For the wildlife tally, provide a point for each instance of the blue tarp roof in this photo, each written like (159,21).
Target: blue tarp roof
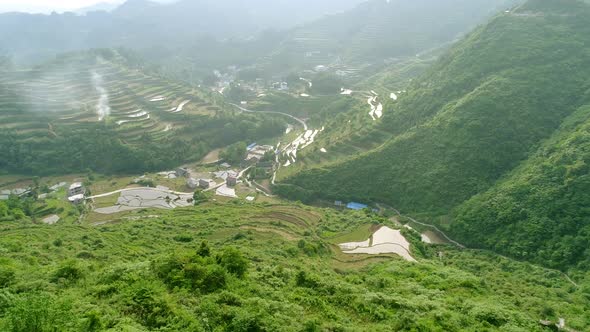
(251,146)
(356,206)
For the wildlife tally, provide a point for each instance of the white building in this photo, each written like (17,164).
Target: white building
(76,199)
(76,189)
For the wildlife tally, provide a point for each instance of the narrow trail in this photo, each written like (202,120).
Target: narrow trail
(384,206)
(566,277)
(272,112)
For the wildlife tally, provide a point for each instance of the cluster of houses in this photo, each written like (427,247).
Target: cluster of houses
(255,157)
(75,192)
(230,178)
(5,194)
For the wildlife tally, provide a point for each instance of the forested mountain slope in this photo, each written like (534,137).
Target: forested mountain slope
(540,212)
(476,115)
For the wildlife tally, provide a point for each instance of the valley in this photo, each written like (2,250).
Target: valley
(356,166)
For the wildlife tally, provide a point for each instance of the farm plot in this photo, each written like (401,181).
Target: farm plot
(383,241)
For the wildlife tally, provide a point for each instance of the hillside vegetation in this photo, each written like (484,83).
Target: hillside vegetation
(476,115)
(226,267)
(473,117)
(540,211)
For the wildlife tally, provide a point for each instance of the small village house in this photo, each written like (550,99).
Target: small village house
(231,181)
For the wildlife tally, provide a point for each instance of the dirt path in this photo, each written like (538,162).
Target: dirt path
(383,206)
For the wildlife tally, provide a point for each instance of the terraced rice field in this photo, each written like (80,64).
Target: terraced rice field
(72,91)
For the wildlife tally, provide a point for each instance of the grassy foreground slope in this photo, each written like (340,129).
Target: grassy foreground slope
(475,115)
(265,268)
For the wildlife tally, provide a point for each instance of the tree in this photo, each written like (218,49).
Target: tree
(326,84)
(204,250)
(234,153)
(200,197)
(215,278)
(3,210)
(234,262)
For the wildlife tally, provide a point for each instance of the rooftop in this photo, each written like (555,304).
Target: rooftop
(76,198)
(356,206)
(76,185)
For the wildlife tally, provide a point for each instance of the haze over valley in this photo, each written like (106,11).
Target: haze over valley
(378,165)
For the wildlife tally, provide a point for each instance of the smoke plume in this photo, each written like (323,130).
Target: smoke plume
(102,107)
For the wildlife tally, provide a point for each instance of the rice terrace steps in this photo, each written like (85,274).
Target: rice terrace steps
(72,91)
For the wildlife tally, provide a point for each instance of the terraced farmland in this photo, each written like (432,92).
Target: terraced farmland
(86,99)
(68,92)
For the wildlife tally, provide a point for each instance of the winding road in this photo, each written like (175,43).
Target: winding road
(272,112)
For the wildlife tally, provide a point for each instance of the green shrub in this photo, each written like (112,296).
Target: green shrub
(150,308)
(36,313)
(183,238)
(234,262)
(204,250)
(7,276)
(68,271)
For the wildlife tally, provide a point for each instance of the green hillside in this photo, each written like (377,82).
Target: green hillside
(272,267)
(50,122)
(540,211)
(474,116)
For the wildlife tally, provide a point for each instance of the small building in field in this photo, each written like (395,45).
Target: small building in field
(76,199)
(182,172)
(339,203)
(231,181)
(204,183)
(76,189)
(192,183)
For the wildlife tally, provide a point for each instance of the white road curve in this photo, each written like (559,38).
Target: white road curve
(272,112)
